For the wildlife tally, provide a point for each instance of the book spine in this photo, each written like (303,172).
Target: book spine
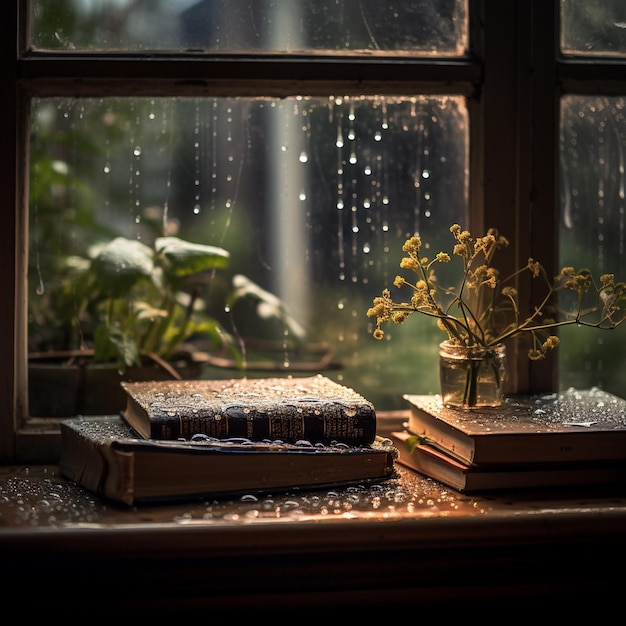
(442,435)
(287,423)
(96,465)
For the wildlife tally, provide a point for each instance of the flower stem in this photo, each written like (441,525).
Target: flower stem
(470,393)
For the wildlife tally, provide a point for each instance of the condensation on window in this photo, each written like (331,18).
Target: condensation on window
(424,27)
(593,229)
(593,28)
(312,198)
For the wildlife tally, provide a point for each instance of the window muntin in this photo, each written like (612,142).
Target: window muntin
(367,27)
(313,197)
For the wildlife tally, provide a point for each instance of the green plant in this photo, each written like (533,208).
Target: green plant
(483,310)
(129,299)
(144,300)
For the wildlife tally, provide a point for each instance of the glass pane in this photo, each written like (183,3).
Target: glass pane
(593,231)
(312,197)
(593,27)
(427,27)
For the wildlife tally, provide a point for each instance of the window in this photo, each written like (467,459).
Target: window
(592,139)
(308,143)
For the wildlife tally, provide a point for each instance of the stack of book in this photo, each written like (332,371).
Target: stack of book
(207,438)
(571,438)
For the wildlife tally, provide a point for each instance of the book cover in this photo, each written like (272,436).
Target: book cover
(573,425)
(314,408)
(104,455)
(468,478)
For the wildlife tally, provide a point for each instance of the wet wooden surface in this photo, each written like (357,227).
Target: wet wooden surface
(357,547)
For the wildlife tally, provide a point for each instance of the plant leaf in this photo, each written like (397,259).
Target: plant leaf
(120,264)
(268,305)
(184,258)
(112,342)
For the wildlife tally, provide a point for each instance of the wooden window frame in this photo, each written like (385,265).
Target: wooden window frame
(512,77)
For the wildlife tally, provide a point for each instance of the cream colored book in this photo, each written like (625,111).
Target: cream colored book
(573,425)
(433,463)
(105,456)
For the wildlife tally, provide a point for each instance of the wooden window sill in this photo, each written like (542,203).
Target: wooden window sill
(412,543)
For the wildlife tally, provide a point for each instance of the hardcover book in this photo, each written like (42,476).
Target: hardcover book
(105,456)
(464,477)
(570,426)
(314,408)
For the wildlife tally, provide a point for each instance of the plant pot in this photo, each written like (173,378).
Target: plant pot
(69,383)
(472,378)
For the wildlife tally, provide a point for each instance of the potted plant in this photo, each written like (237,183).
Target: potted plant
(133,311)
(103,307)
(480,313)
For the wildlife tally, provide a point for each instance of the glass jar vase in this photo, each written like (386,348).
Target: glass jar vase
(472,378)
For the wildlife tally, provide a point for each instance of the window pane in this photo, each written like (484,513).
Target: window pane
(312,197)
(593,27)
(593,233)
(427,27)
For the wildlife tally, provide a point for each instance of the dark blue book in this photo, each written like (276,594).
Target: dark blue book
(290,409)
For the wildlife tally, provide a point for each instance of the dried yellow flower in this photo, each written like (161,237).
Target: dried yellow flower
(484,309)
